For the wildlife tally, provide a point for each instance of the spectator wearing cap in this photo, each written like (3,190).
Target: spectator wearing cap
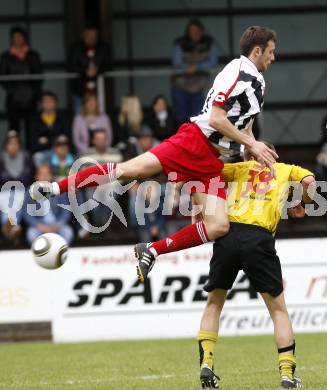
(15,166)
(194,54)
(57,218)
(21,96)
(154,223)
(48,124)
(88,57)
(161,119)
(89,120)
(60,158)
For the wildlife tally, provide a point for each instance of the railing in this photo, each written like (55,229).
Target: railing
(101,95)
(276,108)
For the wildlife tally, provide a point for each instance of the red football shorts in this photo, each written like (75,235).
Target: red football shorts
(188,156)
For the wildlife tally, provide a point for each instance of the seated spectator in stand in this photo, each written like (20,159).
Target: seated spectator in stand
(99,153)
(154,227)
(87,121)
(15,165)
(194,53)
(46,126)
(21,96)
(89,57)
(55,221)
(161,119)
(60,158)
(129,120)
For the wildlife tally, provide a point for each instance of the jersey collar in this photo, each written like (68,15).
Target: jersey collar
(248,61)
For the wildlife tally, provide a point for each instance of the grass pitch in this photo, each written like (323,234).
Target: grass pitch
(241,362)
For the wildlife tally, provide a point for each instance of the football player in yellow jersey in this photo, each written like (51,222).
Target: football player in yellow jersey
(255,201)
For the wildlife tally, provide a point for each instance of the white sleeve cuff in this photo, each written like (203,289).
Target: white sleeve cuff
(55,188)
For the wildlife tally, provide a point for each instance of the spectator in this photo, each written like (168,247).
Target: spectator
(129,119)
(161,119)
(57,218)
(15,165)
(154,226)
(46,126)
(87,121)
(99,151)
(22,96)
(60,158)
(89,57)
(194,53)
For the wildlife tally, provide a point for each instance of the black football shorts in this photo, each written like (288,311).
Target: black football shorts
(249,248)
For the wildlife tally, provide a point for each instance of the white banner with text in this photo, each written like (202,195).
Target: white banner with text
(97,296)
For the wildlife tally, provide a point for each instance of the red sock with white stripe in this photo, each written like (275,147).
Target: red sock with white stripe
(189,236)
(89,177)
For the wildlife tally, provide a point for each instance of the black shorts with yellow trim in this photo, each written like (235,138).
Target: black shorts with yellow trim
(249,248)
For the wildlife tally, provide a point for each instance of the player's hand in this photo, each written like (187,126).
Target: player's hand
(40,190)
(296,211)
(264,155)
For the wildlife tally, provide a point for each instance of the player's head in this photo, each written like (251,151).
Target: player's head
(258,44)
(248,156)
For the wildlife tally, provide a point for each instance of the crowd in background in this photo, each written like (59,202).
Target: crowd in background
(43,142)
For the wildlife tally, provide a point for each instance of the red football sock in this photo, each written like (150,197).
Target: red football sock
(89,177)
(189,236)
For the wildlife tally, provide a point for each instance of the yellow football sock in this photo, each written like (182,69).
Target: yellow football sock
(287,364)
(207,342)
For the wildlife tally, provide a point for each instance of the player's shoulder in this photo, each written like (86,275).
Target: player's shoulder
(280,166)
(234,64)
(230,71)
(289,169)
(285,166)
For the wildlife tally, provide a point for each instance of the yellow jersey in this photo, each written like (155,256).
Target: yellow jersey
(254,196)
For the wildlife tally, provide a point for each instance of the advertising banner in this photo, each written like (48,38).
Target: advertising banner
(25,288)
(98,297)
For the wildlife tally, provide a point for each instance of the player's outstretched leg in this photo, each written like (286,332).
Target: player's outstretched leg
(143,166)
(215,224)
(284,339)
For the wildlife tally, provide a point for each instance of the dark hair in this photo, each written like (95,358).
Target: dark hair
(18,30)
(195,22)
(50,94)
(248,155)
(256,36)
(158,97)
(90,26)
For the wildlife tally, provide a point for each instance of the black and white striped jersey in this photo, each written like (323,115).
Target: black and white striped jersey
(239,89)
